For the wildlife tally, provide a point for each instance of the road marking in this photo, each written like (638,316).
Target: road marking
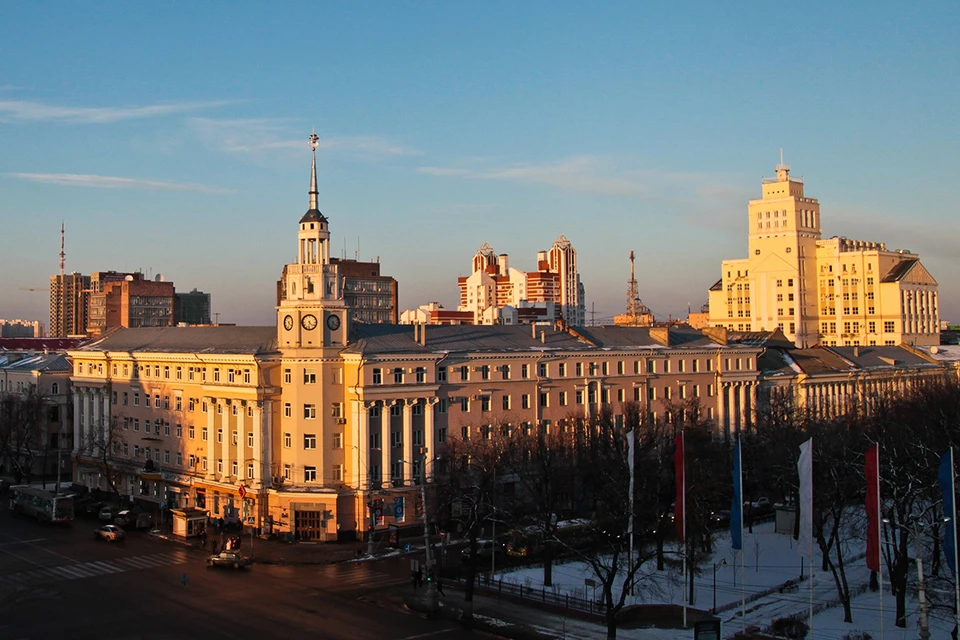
(90,569)
(427,635)
(3,544)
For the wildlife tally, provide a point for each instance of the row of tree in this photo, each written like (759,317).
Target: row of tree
(581,469)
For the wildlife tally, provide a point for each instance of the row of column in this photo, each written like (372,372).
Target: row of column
(258,425)
(91,418)
(361,412)
(741,398)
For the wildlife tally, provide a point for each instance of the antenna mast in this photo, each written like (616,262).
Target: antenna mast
(63,255)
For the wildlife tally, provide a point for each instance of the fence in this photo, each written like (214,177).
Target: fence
(541,594)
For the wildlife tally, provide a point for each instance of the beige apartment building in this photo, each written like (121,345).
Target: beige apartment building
(838,292)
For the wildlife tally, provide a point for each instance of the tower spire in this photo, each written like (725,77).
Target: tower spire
(63,255)
(314,143)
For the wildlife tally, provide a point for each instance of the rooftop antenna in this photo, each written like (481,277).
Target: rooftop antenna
(358,248)
(63,255)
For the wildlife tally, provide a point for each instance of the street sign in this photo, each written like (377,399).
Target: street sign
(184,579)
(242,491)
(408,548)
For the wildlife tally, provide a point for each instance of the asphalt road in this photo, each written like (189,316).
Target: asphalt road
(59,582)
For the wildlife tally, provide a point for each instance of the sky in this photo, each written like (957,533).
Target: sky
(172,138)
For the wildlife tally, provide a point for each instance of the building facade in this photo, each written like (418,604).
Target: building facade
(130,302)
(68,304)
(554,287)
(834,292)
(21,329)
(192,308)
(36,450)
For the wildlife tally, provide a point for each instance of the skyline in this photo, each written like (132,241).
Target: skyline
(178,139)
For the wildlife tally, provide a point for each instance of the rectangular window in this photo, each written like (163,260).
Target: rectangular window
(166,456)
(136,424)
(579,397)
(398,375)
(485,372)
(136,399)
(561,369)
(191,431)
(421,375)
(544,399)
(484,403)
(309,474)
(375,440)
(396,438)
(651,366)
(230,375)
(578,369)
(465,404)
(396,409)
(338,440)
(525,401)
(889,326)
(287,410)
(250,439)
(442,405)
(336,409)
(216,374)
(562,398)
(309,411)
(542,370)
(309,441)
(287,376)
(287,471)
(219,435)
(246,376)
(606,368)
(309,376)
(125,398)
(249,470)
(338,473)
(442,374)
(524,371)
(166,428)
(506,403)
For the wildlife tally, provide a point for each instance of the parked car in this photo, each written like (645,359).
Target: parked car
(128,519)
(761,504)
(229,559)
(485,550)
(720,518)
(106,513)
(110,533)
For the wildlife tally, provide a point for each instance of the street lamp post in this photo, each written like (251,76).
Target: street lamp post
(432,595)
(716,566)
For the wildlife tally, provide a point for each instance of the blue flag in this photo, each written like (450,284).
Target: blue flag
(736,507)
(945,476)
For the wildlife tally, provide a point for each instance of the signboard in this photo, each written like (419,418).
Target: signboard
(394,536)
(242,491)
(398,509)
(707,629)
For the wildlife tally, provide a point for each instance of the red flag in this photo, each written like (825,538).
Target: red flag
(872,472)
(679,514)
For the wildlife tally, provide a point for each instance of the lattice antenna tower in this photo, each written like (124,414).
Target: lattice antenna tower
(63,255)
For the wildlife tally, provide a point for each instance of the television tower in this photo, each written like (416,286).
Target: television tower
(62,254)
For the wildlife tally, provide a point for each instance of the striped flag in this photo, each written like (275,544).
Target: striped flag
(871,470)
(805,470)
(736,506)
(945,477)
(679,514)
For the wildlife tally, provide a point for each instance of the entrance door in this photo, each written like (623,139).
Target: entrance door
(308,525)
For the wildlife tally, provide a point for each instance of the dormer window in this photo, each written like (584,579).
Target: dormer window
(311,225)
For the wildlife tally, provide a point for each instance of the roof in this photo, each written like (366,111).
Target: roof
(313,215)
(46,362)
(195,339)
(639,337)
(717,286)
(944,352)
(881,357)
(819,360)
(40,344)
(770,339)
(396,338)
(900,270)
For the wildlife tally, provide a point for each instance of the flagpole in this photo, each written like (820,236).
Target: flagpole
(953,523)
(879,547)
(743,595)
(683,461)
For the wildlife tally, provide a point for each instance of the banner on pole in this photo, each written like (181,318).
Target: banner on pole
(678,472)
(871,470)
(736,506)
(805,470)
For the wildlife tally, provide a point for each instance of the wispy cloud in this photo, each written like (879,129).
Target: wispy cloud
(25,111)
(114,182)
(257,136)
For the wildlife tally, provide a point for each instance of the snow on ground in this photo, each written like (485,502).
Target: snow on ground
(769,560)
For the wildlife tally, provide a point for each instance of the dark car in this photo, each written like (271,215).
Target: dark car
(720,518)
(485,550)
(229,559)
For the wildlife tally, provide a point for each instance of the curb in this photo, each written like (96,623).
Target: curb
(479,622)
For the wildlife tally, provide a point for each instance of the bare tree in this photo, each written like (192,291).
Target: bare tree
(21,439)
(104,444)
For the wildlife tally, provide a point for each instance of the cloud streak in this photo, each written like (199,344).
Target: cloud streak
(114,182)
(256,136)
(25,111)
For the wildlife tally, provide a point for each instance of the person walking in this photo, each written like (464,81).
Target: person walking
(440,588)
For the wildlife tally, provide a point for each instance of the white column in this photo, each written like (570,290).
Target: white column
(385,444)
(211,438)
(362,421)
(721,414)
(753,405)
(258,429)
(94,426)
(227,441)
(85,424)
(742,413)
(77,423)
(105,419)
(429,435)
(408,441)
(241,442)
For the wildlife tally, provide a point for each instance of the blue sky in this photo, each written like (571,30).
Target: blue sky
(172,137)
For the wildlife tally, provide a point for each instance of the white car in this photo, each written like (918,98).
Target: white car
(110,533)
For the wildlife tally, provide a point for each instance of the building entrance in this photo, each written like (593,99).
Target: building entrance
(308,525)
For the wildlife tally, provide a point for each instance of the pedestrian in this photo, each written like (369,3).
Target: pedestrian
(203,539)
(213,546)
(440,588)
(413,577)
(419,576)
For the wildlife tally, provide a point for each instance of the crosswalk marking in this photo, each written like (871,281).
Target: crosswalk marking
(357,577)
(91,569)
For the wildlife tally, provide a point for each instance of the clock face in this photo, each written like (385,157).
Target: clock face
(309,322)
(333,322)
(288,323)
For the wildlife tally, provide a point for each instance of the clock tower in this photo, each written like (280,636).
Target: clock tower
(312,312)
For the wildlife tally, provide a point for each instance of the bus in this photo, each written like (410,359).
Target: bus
(528,542)
(41,504)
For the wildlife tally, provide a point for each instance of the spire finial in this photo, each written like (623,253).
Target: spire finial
(314,143)
(783,170)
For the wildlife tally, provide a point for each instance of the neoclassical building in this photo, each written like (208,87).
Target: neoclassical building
(318,427)
(837,292)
